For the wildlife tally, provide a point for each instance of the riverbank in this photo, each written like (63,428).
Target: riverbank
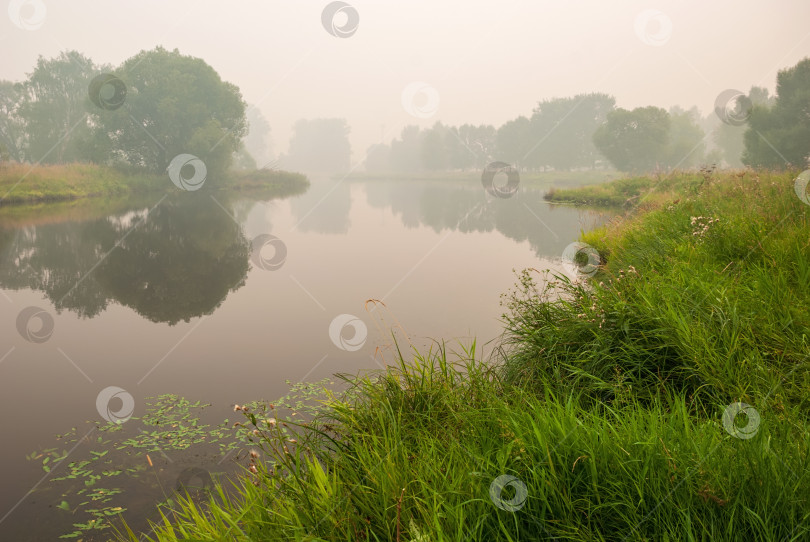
(665,398)
(634,191)
(32,184)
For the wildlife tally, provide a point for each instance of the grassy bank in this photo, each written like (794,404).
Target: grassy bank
(634,191)
(612,415)
(29,184)
(25,183)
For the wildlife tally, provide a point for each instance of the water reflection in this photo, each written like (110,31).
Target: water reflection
(324,208)
(468,208)
(177,263)
(180,259)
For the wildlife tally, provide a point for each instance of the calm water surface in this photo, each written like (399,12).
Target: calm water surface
(172,296)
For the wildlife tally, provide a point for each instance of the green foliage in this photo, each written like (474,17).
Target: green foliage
(729,138)
(53,110)
(779,136)
(13,137)
(701,297)
(175,104)
(412,453)
(117,457)
(635,140)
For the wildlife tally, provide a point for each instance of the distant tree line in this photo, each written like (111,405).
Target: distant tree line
(143,113)
(583,131)
(588,131)
(159,104)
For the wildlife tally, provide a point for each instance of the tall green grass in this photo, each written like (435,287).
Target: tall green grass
(707,297)
(413,454)
(606,409)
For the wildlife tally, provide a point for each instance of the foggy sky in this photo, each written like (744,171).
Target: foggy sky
(488,61)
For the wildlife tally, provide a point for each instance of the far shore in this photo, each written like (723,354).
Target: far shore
(26,184)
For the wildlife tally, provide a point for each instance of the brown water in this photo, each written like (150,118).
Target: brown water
(171,296)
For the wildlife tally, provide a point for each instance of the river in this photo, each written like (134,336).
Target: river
(225,299)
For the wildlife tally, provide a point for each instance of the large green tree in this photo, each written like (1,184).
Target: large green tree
(174,104)
(779,136)
(636,140)
(54,107)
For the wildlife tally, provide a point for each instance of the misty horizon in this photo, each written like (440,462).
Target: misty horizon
(459,63)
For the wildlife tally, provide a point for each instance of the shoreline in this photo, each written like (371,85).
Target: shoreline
(24,184)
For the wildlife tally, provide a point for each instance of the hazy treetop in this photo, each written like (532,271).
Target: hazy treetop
(489,62)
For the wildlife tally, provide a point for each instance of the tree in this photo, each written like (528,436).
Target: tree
(686,146)
(405,151)
(174,104)
(779,136)
(730,138)
(634,140)
(54,107)
(433,151)
(13,137)
(562,130)
(512,141)
(242,159)
(471,146)
(257,141)
(459,154)
(320,145)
